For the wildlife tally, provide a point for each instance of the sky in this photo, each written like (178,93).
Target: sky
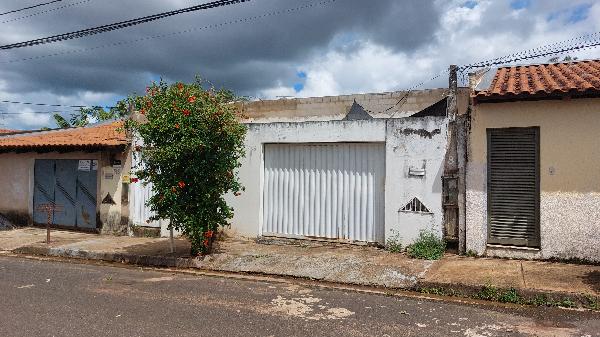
(265,49)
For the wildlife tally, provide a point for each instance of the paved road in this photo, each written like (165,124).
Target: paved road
(43,298)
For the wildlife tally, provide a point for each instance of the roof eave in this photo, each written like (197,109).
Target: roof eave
(558,95)
(62,148)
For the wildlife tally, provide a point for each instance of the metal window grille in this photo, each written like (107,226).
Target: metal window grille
(415,206)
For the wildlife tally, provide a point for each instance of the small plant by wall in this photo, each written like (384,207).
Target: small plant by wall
(427,246)
(394,243)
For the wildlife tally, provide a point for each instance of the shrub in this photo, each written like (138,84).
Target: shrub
(192,143)
(427,246)
(394,244)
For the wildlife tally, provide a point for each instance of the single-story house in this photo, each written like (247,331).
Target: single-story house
(79,170)
(533,172)
(351,168)
(355,168)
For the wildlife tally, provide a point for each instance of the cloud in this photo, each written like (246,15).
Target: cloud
(344,46)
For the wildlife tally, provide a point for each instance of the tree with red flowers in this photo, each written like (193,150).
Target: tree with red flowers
(193,143)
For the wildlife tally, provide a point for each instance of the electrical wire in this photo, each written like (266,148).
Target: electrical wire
(32,112)
(30,7)
(52,105)
(119,25)
(46,11)
(212,26)
(589,41)
(409,91)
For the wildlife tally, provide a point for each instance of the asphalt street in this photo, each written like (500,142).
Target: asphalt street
(50,298)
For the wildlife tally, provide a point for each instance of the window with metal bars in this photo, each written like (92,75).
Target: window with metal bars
(415,206)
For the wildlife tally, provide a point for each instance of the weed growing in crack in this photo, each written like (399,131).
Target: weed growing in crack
(427,246)
(394,243)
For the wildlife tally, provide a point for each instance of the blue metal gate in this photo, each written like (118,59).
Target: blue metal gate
(71,184)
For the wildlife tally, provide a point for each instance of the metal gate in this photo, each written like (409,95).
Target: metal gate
(140,193)
(333,191)
(514,186)
(71,184)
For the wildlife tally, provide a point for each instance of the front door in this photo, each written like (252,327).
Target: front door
(514,186)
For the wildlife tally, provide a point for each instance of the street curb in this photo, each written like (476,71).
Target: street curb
(420,286)
(527,296)
(143,260)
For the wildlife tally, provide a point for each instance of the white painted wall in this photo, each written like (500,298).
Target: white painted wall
(248,207)
(416,142)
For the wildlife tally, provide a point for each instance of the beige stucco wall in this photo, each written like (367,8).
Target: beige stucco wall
(569,173)
(17,185)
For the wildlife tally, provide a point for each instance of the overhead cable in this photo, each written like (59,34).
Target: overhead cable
(45,11)
(119,25)
(30,7)
(142,39)
(589,41)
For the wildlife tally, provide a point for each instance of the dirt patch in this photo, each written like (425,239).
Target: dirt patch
(593,279)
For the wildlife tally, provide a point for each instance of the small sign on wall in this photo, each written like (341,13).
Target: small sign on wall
(94,165)
(84,165)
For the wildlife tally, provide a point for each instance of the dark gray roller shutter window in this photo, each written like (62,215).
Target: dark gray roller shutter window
(514,186)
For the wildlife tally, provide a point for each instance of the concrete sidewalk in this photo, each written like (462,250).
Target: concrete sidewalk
(346,264)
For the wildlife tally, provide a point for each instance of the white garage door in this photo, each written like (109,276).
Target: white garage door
(325,190)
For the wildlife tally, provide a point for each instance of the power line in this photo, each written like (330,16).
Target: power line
(409,91)
(212,26)
(53,105)
(46,11)
(589,41)
(119,25)
(32,112)
(30,7)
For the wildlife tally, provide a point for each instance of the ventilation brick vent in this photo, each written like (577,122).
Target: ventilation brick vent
(415,206)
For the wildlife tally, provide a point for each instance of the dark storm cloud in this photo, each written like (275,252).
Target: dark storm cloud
(247,57)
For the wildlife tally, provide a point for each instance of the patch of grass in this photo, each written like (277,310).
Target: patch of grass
(471,253)
(540,300)
(440,292)
(492,293)
(394,243)
(593,302)
(488,292)
(565,303)
(510,296)
(427,246)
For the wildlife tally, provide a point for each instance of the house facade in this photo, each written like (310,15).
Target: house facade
(533,172)
(357,168)
(81,171)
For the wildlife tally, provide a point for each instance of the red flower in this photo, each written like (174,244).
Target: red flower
(186,112)
(173,189)
(205,242)
(134,180)
(177,126)
(143,111)
(181,184)
(192,99)
(180,86)
(209,234)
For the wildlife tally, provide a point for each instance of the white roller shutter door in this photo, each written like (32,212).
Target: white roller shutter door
(333,191)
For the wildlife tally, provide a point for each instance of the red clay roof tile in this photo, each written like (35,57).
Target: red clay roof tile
(101,135)
(543,80)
